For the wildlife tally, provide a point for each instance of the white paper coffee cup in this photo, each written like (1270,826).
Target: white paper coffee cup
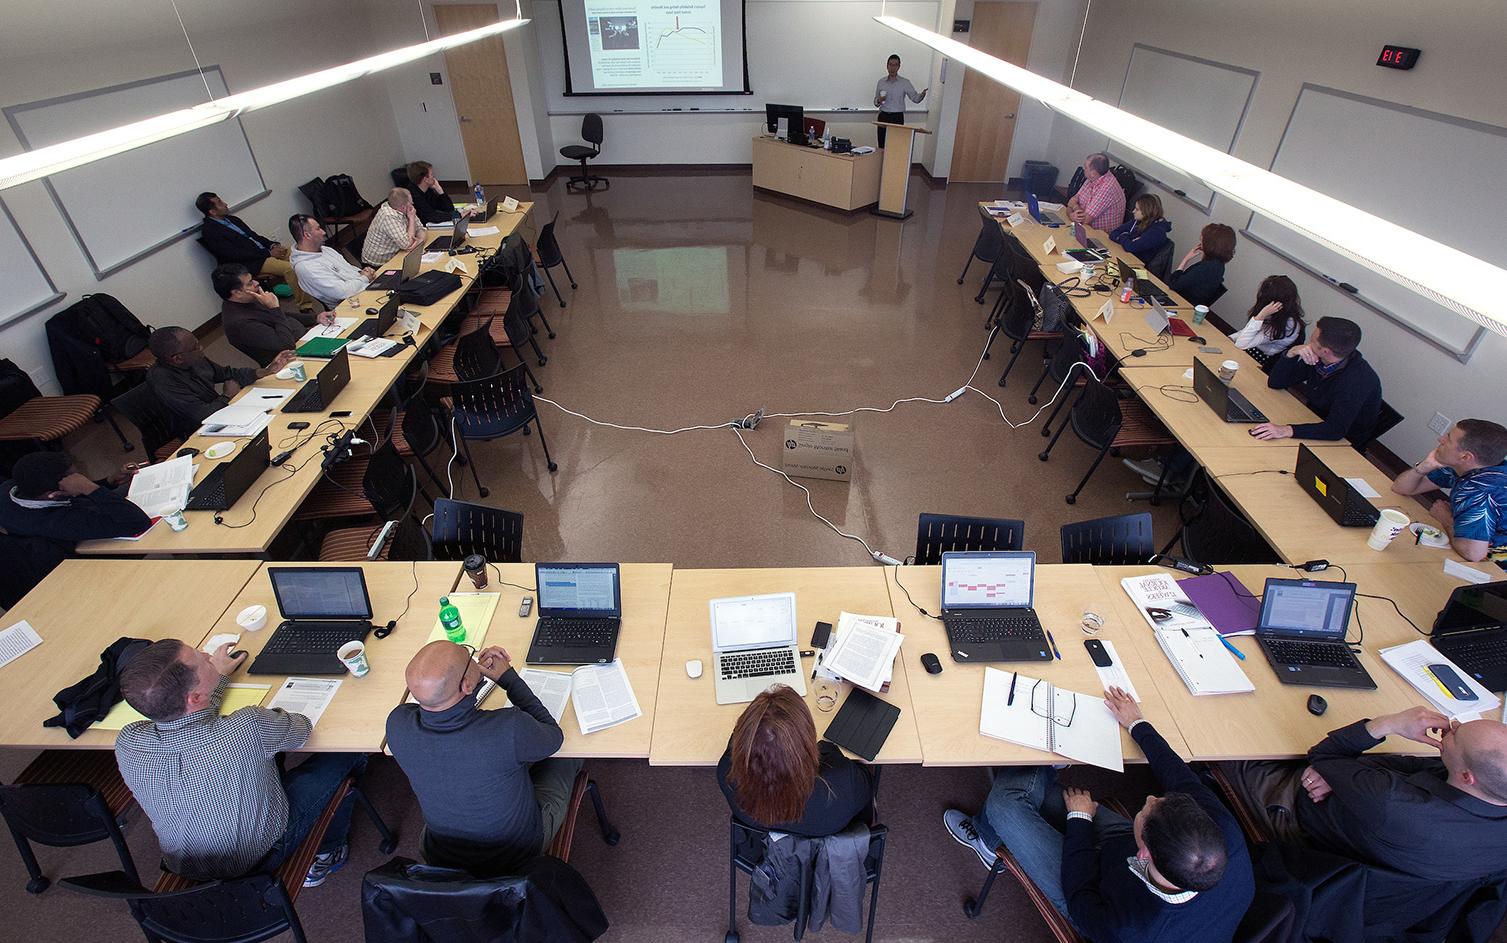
(353,656)
(1227,370)
(1388,526)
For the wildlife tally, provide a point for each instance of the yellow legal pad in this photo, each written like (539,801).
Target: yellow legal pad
(237,696)
(476,611)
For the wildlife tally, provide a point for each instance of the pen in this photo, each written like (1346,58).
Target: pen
(1233,650)
(1010,698)
(1055,652)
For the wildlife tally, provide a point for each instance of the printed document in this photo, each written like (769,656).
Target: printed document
(307,696)
(603,696)
(163,488)
(864,653)
(17,641)
(552,688)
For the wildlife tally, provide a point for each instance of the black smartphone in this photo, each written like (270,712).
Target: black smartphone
(1096,652)
(298,425)
(186,450)
(340,414)
(821,634)
(1452,683)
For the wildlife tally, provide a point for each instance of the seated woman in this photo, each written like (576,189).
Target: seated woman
(1200,276)
(776,775)
(1147,230)
(1276,318)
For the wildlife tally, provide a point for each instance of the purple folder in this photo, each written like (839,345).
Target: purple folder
(1225,602)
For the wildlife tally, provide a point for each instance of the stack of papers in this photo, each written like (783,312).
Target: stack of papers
(864,650)
(162,488)
(17,641)
(307,696)
(603,694)
(1189,641)
(482,231)
(1421,665)
(238,421)
(340,326)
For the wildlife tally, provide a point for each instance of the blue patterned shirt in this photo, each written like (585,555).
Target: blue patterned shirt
(1478,501)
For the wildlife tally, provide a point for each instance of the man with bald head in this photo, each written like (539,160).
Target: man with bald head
(491,795)
(1441,819)
(395,228)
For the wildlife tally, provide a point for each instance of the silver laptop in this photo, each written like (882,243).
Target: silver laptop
(754,646)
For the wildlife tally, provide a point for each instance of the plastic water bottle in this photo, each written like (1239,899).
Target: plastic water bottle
(481,195)
(450,620)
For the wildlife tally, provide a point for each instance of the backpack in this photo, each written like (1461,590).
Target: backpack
(1128,182)
(1054,306)
(428,287)
(109,326)
(344,199)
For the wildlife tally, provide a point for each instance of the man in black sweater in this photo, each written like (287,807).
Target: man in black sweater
(229,239)
(46,497)
(1180,871)
(430,201)
(1336,383)
(491,796)
(254,321)
(190,385)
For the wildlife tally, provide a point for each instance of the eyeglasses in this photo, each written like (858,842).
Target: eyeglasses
(470,660)
(1051,714)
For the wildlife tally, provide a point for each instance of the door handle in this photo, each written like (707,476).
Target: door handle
(1010,115)
(464,118)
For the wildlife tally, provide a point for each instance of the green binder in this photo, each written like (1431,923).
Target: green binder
(322,346)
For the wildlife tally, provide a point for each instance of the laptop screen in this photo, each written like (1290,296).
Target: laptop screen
(1306,608)
(589,589)
(1474,607)
(1002,579)
(320,592)
(743,622)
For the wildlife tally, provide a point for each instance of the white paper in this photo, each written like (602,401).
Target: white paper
(307,696)
(237,421)
(1050,245)
(1411,661)
(1046,207)
(429,258)
(1015,219)
(1107,311)
(863,654)
(1030,719)
(1115,676)
(552,688)
(215,641)
(456,266)
(17,641)
(265,397)
(602,696)
(371,347)
(1467,573)
(438,226)
(1366,491)
(482,231)
(162,488)
(340,326)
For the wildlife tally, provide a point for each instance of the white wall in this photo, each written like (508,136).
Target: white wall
(104,42)
(1333,44)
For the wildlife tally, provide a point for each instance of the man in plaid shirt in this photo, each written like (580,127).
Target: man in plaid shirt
(210,784)
(1100,203)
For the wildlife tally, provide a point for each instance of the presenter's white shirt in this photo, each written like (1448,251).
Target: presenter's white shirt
(895,90)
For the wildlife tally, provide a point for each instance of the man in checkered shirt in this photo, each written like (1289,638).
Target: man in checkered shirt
(210,784)
(1100,203)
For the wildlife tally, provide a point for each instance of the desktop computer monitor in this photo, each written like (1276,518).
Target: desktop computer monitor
(792,116)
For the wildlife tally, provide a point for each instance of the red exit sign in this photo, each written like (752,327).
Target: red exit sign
(1398,57)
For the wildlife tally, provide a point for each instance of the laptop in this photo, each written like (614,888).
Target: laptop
(1035,210)
(1227,402)
(580,612)
(1471,631)
(754,646)
(1335,495)
(455,240)
(986,606)
(319,393)
(1302,631)
(227,481)
(492,207)
(392,278)
(1161,321)
(323,608)
(1151,294)
(386,315)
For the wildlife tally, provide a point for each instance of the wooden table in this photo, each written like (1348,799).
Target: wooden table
(1169,393)
(691,728)
(842,181)
(947,705)
(81,608)
(646,597)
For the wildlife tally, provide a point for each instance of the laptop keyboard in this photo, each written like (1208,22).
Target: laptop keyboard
(1314,654)
(314,638)
(306,399)
(209,495)
(574,633)
(1356,515)
(1238,400)
(1015,628)
(1479,652)
(759,664)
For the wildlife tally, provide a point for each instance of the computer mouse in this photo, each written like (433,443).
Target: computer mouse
(1138,352)
(693,668)
(932,665)
(1317,705)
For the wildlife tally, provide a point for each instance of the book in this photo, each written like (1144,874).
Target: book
(1191,644)
(321,346)
(603,694)
(863,650)
(1052,719)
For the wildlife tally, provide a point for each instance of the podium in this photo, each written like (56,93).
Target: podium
(894,172)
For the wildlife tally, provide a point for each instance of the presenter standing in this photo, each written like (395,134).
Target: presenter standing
(890,95)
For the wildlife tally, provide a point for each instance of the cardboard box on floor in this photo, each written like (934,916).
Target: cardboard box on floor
(818,450)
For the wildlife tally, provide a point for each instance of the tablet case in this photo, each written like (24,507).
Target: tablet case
(863,724)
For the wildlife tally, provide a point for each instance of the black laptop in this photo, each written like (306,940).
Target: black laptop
(455,240)
(1471,631)
(319,393)
(580,612)
(323,608)
(986,606)
(227,481)
(1227,402)
(394,277)
(1335,495)
(1302,631)
(378,325)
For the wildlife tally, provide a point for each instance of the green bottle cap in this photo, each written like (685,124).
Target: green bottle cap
(444,600)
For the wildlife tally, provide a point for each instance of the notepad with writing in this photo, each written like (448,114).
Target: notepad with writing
(1187,638)
(1055,720)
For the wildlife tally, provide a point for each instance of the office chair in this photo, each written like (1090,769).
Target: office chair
(937,534)
(141,406)
(472,356)
(1023,265)
(591,132)
(1160,263)
(1109,541)
(461,528)
(407,542)
(1215,534)
(378,484)
(493,407)
(29,418)
(986,248)
(1386,419)
(1018,321)
(1067,353)
(527,302)
(550,257)
(1101,420)
(65,798)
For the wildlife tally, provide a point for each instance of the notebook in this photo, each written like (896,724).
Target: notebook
(1224,601)
(322,346)
(1189,641)
(1056,720)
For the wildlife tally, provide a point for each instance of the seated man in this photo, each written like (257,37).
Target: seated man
(1100,203)
(185,380)
(210,784)
(1179,871)
(395,228)
(430,201)
(323,272)
(254,321)
(231,240)
(1439,819)
(1336,383)
(491,797)
(1471,461)
(47,497)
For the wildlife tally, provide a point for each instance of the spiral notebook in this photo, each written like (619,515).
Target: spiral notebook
(1188,640)
(1045,717)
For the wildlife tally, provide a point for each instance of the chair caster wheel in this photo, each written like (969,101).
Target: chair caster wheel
(732,937)
(1001,381)
(1072,499)
(986,356)
(389,846)
(543,361)
(527,431)
(129,448)
(484,492)
(970,908)
(1031,399)
(554,467)
(37,885)
(1042,456)
(615,836)
(551,336)
(538,389)
(572,285)
(1046,431)
(960,281)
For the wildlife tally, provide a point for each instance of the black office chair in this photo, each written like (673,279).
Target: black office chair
(152,419)
(1215,534)
(1018,321)
(1068,358)
(1160,263)
(986,248)
(66,798)
(550,257)
(516,328)
(493,407)
(472,356)
(380,485)
(1101,420)
(461,528)
(937,534)
(526,302)
(242,910)
(1386,418)
(1109,541)
(591,132)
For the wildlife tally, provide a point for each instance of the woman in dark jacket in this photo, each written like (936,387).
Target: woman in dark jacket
(1147,230)
(1200,276)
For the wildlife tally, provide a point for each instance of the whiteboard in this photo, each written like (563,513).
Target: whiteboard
(1199,98)
(1330,145)
(125,207)
(27,284)
(820,54)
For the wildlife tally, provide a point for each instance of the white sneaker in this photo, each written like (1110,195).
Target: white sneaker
(960,826)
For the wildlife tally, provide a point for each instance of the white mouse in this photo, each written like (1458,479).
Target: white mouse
(693,667)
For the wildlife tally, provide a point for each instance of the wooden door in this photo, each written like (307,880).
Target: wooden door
(986,115)
(483,96)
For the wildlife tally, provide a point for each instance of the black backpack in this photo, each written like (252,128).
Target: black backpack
(344,199)
(109,326)
(427,288)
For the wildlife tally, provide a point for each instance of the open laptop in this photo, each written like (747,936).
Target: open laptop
(1302,631)
(319,393)
(1335,495)
(1227,402)
(1035,209)
(378,325)
(754,647)
(1161,321)
(227,481)
(323,608)
(455,240)
(1151,294)
(986,606)
(408,268)
(1471,631)
(580,612)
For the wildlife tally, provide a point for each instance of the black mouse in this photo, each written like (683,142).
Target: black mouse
(931,664)
(1317,705)
(1138,352)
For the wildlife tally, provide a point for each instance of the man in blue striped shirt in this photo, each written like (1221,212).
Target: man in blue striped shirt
(1471,461)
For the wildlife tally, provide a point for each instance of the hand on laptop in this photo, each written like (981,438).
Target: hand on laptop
(1123,706)
(1416,723)
(1272,430)
(494,661)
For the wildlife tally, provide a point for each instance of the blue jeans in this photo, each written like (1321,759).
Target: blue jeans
(1025,813)
(309,787)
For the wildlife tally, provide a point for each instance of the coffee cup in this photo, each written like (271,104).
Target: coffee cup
(176,520)
(353,655)
(1200,312)
(476,567)
(1227,371)
(1388,525)
(297,369)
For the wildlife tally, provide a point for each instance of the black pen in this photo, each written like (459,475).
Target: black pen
(1010,699)
(1187,636)
(1055,652)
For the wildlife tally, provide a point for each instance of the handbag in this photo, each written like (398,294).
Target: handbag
(428,287)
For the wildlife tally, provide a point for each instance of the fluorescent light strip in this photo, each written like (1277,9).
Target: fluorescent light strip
(1469,286)
(55,158)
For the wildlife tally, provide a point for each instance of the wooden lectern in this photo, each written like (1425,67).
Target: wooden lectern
(894,173)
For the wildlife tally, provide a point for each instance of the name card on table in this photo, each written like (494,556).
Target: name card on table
(1106,311)
(1050,245)
(1015,219)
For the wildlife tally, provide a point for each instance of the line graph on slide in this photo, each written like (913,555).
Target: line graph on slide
(685,48)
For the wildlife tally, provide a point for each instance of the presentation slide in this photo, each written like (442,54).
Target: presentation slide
(627,47)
